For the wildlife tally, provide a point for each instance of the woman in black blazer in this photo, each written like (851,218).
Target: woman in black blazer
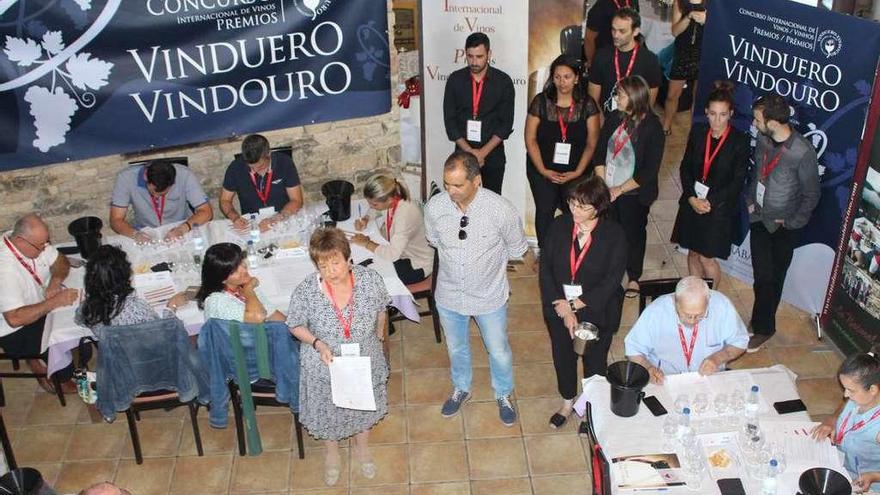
(628,157)
(582,263)
(712,170)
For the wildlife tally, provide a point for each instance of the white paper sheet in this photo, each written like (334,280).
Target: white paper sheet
(155,287)
(798,445)
(351,383)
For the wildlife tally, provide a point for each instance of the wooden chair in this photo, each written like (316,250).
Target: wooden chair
(423,290)
(601,468)
(16,365)
(263,393)
(652,289)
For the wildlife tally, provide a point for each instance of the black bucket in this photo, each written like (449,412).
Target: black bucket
(24,481)
(823,481)
(627,380)
(338,195)
(86,231)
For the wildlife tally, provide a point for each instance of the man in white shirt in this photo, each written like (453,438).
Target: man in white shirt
(33,274)
(695,329)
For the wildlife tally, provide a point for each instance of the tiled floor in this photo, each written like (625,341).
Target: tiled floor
(417,451)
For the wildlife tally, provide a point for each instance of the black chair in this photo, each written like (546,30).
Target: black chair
(601,468)
(4,436)
(422,290)
(284,150)
(652,289)
(180,160)
(263,393)
(16,365)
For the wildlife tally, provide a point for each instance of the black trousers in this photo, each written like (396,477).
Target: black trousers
(492,172)
(771,256)
(406,272)
(565,360)
(25,343)
(549,197)
(633,217)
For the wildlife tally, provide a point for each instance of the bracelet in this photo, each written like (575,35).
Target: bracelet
(315,343)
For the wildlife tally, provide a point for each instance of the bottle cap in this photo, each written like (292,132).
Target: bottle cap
(755,388)
(686,410)
(250,243)
(774,462)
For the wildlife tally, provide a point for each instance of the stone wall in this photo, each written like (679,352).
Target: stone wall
(349,149)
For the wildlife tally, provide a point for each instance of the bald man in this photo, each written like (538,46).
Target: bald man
(104,488)
(33,273)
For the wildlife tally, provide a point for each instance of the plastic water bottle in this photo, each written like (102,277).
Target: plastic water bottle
(252,255)
(753,404)
(768,486)
(198,244)
(255,229)
(684,422)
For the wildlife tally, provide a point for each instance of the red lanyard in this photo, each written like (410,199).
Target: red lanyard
(346,324)
(838,439)
(688,350)
(619,143)
(264,194)
(389,216)
(575,264)
(629,68)
(563,125)
(30,269)
(768,167)
(158,206)
(625,4)
(477,93)
(236,294)
(708,155)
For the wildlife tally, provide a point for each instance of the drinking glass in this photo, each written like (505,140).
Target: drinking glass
(720,405)
(670,428)
(700,404)
(681,401)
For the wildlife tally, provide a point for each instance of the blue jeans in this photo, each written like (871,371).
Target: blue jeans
(493,329)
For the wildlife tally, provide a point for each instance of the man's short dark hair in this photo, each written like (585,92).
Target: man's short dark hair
(631,14)
(477,39)
(253,148)
(773,107)
(161,174)
(463,159)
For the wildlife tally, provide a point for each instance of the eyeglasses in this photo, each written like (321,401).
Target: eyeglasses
(462,235)
(38,248)
(581,207)
(686,318)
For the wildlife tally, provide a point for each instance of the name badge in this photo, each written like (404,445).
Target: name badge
(266,212)
(609,174)
(701,190)
(612,103)
(572,291)
(474,131)
(351,349)
(562,153)
(759,194)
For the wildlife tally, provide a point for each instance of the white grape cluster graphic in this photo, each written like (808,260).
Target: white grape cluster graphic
(71,87)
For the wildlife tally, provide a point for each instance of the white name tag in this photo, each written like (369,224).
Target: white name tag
(572,291)
(609,174)
(266,212)
(612,103)
(474,131)
(351,349)
(759,194)
(562,153)
(701,190)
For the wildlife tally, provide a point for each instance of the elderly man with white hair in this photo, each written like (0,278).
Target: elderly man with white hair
(695,329)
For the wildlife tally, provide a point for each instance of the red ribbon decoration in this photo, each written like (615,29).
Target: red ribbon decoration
(413,88)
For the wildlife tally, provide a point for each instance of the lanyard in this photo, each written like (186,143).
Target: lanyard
(346,323)
(768,167)
(688,350)
(841,433)
(563,125)
(264,194)
(477,93)
(158,206)
(629,68)
(619,143)
(574,265)
(236,294)
(389,216)
(617,4)
(30,269)
(708,155)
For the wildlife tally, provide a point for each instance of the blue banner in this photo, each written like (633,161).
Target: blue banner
(85,78)
(823,63)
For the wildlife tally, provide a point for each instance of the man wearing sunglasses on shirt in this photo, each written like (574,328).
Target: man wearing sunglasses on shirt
(694,329)
(476,232)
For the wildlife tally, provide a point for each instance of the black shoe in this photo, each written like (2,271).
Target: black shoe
(557,420)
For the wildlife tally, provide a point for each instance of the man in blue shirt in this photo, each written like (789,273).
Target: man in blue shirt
(695,329)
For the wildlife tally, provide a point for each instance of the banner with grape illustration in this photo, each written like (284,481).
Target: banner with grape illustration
(86,78)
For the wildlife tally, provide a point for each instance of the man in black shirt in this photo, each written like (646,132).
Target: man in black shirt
(478,110)
(261,179)
(627,57)
(599,25)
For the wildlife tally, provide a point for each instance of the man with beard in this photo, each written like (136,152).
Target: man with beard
(783,193)
(478,110)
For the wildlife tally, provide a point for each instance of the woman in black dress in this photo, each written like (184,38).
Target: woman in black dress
(561,133)
(628,157)
(688,18)
(712,170)
(583,260)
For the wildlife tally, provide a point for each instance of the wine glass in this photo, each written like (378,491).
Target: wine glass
(700,404)
(737,408)
(720,406)
(681,401)
(670,428)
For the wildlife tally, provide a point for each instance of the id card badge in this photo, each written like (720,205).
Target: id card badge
(701,190)
(562,153)
(612,103)
(266,212)
(474,131)
(759,194)
(572,291)
(609,174)
(351,349)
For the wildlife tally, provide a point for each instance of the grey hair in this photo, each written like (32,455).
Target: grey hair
(25,224)
(104,488)
(690,287)
(463,159)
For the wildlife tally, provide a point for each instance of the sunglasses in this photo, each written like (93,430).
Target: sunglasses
(462,235)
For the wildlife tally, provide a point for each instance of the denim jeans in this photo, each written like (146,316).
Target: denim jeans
(493,328)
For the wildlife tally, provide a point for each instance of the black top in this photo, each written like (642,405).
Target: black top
(603,73)
(599,275)
(496,106)
(549,132)
(728,172)
(238,180)
(599,19)
(647,142)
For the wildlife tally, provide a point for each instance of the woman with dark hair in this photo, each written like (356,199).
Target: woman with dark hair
(339,311)
(712,172)
(228,291)
(583,260)
(688,18)
(108,296)
(628,158)
(855,429)
(561,133)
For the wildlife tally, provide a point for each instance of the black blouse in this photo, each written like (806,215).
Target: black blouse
(728,172)
(549,133)
(647,143)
